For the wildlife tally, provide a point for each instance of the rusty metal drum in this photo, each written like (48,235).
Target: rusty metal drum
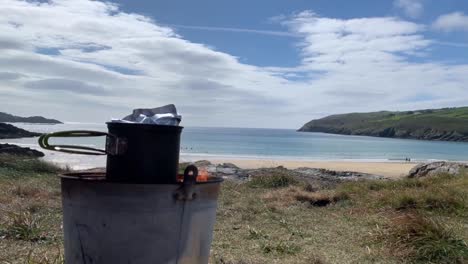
(108,222)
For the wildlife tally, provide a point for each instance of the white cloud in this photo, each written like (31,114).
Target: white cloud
(74,52)
(369,64)
(82,60)
(411,8)
(451,22)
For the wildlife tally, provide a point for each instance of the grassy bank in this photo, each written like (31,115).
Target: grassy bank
(447,124)
(271,219)
(30,211)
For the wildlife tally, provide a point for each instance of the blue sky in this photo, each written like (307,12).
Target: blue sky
(257,15)
(232,63)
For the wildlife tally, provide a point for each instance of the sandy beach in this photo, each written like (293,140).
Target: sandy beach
(387,169)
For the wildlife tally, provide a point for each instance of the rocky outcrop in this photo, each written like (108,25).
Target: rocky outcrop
(436,168)
(10,149)
(317,177)
(4,117)
(10,131)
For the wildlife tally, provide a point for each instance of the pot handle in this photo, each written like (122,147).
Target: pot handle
(190,174)
(114,145)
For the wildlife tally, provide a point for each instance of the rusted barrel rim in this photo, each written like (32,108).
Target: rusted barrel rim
(101,176)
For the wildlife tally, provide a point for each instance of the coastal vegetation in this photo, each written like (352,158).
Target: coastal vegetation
(276,218)
(8,118)
(448,124)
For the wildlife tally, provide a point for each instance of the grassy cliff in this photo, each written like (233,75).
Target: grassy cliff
(448,124)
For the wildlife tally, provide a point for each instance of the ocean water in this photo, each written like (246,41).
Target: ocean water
(245,143)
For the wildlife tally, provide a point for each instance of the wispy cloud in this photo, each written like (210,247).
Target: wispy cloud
(451,44)
(456,21)
(411,8)
(373,56)
(237,30)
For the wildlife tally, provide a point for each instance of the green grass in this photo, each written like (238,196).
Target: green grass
(442,124)
(18,165)
(30,211)
(444,195)
(275,218)
(278,180)
(22,226)
(269,225)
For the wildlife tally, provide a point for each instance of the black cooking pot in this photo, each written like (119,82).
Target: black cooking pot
(136,153)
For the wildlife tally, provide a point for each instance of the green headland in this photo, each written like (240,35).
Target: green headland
(447,124)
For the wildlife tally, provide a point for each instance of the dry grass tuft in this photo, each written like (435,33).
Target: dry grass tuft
(293,195)
(427,240)
(22,226)
(314,259)
(280,248)
(45,257)
(273,178)
(28,191)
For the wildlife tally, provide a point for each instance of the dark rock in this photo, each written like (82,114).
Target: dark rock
(435,168)
(10,131)
(343,175)
(19,151)
(224,170)
(316,178)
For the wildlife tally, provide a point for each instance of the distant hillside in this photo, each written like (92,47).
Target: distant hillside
(448,124)
(10,131)
(4,117)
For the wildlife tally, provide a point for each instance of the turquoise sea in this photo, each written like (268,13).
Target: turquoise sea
(286,144)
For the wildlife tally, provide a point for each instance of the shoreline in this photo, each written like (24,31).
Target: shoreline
(387,169)
(383,167)
(393,169)
(217,157)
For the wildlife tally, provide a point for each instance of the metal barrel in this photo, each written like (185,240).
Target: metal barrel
(108,222)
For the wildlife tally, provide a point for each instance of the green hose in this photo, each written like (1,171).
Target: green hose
(44,142)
